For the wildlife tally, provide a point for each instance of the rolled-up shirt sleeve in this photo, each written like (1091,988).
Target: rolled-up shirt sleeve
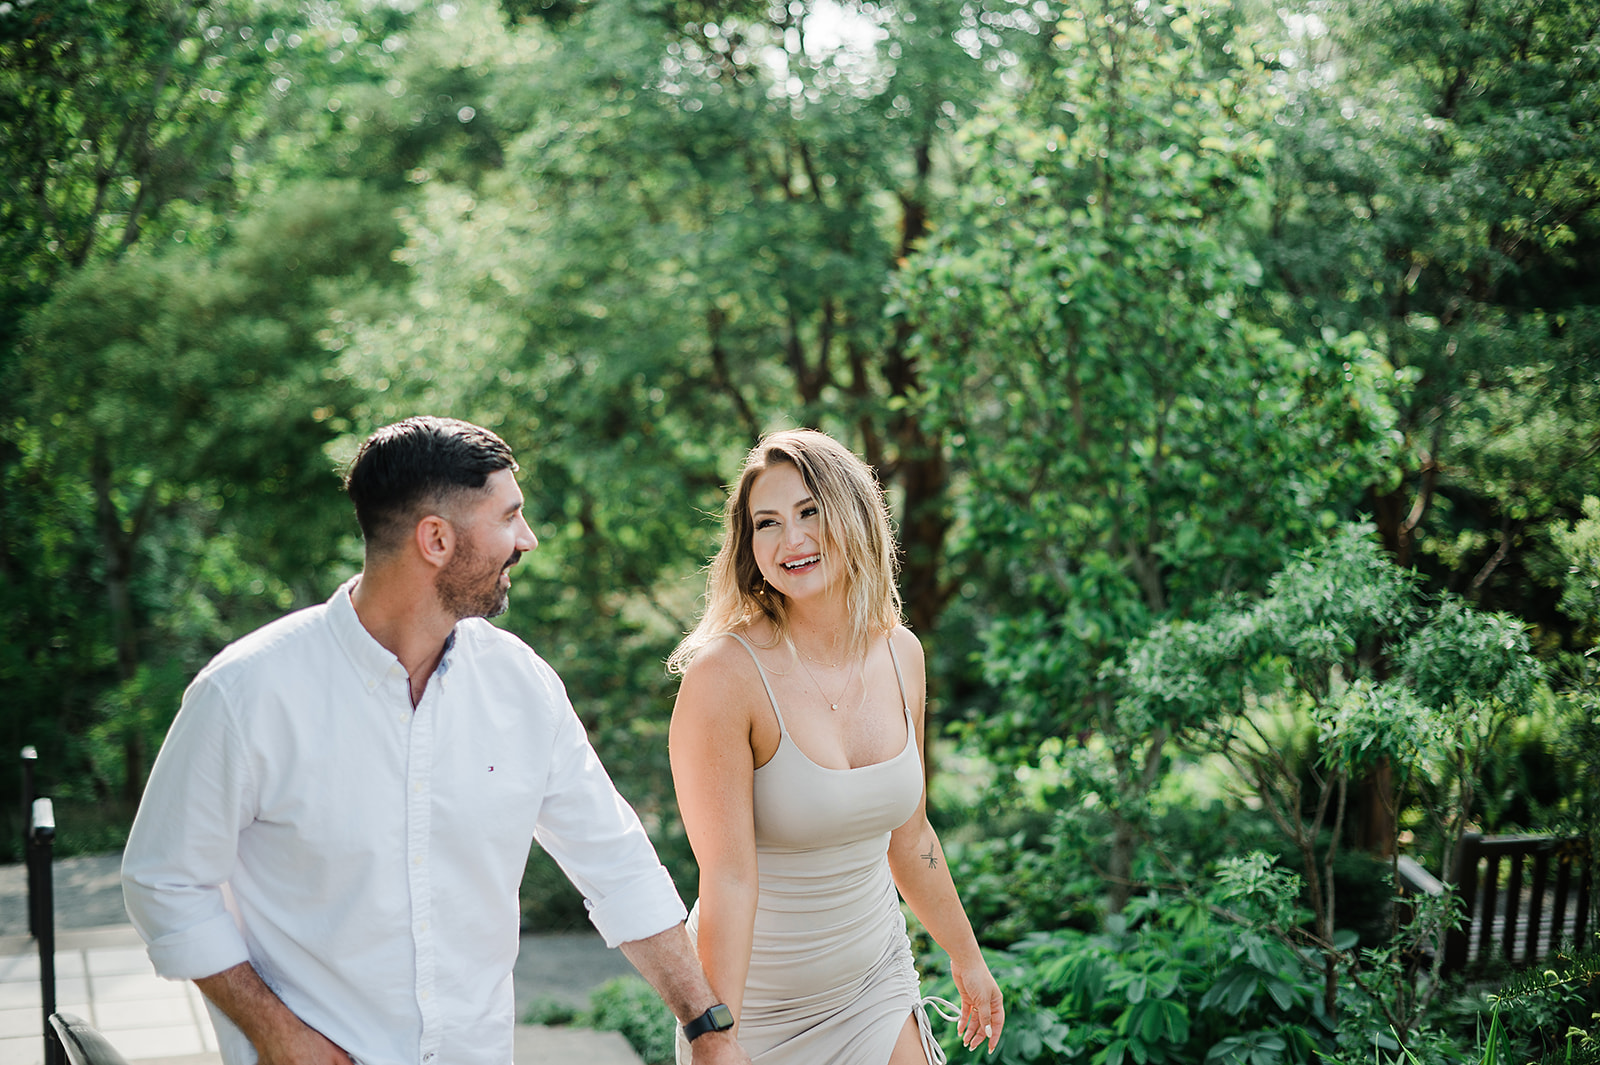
(596,838)
(184,842)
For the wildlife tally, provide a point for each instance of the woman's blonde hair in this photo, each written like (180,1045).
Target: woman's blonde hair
(855,532)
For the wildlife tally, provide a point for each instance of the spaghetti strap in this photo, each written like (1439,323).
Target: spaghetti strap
(764,682)
(898,679)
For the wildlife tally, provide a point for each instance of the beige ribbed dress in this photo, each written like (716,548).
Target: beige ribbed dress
(831,979)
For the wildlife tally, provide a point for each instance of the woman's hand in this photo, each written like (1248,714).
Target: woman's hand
(982,1013)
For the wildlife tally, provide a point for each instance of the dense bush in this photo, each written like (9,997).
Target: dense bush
(1212,980)
(630,1006)
(1167,980)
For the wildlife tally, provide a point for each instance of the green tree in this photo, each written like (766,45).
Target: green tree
(1578,681)
(690,243)
(184,399)
(1342,642)
(114,113)
(162,298)
(1438,190)
(1131,444)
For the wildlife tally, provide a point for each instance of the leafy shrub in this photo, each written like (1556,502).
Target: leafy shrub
(1019,869)
(630,1006)
(1166,981)
(550,1012)
(1025,880)
(1548,1013)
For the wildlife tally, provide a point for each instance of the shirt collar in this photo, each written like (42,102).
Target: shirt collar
(372,660)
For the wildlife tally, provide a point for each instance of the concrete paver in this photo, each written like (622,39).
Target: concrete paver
(571,1046)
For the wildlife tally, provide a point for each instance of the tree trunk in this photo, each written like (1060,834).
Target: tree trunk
(1373,827)
(1119,869)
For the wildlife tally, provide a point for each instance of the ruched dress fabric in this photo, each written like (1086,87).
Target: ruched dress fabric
(831,979)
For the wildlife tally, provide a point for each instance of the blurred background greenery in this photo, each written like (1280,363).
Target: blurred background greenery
(1234,371)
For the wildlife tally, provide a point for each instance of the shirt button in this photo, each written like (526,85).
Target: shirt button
(426,995)
(417,860)
(422,926)
(417,788)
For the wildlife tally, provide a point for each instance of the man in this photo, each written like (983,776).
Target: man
(334,833)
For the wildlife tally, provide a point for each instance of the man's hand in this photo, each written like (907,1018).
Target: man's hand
(279,1036)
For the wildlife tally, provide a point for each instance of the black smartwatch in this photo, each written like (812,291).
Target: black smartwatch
(718,1018)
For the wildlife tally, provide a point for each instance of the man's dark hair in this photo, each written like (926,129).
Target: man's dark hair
(418,463)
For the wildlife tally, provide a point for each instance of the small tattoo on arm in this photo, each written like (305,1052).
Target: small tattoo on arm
(933,863)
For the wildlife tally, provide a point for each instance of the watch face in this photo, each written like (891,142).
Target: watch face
(718,1018)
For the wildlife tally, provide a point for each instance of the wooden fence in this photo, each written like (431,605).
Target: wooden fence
(1525,896)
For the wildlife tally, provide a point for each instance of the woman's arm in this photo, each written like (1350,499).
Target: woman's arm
(713,771)
(923,878)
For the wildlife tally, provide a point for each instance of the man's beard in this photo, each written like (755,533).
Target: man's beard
(466,592)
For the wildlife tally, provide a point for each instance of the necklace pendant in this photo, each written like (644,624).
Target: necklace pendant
(833,706)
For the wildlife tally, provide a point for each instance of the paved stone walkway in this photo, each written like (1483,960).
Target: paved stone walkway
(104,976)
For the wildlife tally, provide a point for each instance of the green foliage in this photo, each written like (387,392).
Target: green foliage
(1552,1010)
(630,1006)
(1021,873)
(1134,445)
(626,1005)
(685,247)
(1132,442)
(1166,981)
(183,399)
(1131,305)
(1577,733)
(1436,192)
(1543,1016)
(113,112)
(1384,677)
(549,1012)
(1027,854)
(1432,707)
(1579,547)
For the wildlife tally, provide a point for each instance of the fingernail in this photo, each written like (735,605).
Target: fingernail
(988,1030)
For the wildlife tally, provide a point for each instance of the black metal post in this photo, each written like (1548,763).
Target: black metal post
(41,844)
(29,757)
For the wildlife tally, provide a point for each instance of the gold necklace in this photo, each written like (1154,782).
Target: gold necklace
(833,704)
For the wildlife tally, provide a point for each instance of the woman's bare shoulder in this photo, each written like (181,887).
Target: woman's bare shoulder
(906,646)
(724,668)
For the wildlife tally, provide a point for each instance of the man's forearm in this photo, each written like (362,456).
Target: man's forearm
(667,960)
(276,1032)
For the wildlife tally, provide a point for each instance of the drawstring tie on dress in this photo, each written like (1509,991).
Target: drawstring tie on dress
(944,1008)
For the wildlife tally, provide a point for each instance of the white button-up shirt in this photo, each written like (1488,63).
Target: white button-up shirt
(366,857)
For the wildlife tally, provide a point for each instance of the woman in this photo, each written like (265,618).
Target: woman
(795,747)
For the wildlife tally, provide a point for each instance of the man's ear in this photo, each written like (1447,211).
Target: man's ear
(435,540)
